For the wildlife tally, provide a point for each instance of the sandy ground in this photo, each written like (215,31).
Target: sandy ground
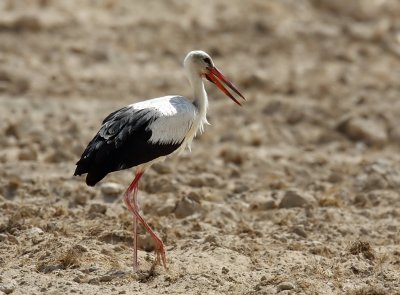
(297,192)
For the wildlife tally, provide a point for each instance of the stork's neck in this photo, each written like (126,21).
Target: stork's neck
(200,99)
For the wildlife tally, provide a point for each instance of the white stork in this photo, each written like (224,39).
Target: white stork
(146,132)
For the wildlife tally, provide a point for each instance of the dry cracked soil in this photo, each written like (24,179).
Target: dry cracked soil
(296,192)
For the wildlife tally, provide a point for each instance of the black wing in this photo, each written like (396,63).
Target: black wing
(121,143)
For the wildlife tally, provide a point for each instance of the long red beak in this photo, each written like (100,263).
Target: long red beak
(216,77)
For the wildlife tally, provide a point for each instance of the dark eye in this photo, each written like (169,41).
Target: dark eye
(207,61)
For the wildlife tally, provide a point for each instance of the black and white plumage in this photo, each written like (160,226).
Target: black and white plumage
(138,134)
(146,132)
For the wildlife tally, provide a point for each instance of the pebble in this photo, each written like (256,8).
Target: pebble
(186,207)
(110,276)
(370,131)
(35,232)
(285,286)
(97,208)
(195,196)
(51,268)
(299,230)
(111,189)
(262,203)
(106,278)
(211,239)
(240,188)
(79,279)
(293,199)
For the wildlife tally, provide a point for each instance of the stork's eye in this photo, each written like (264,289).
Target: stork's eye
(207,61)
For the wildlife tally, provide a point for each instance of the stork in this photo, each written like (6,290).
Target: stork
(146,132)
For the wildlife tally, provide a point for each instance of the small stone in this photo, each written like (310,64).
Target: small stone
(299,230)
(79,279)
(106,278)
(51,268)
(293,199)
(195,196)
(94,281)
(186,207)
(211,239)
(97,208)
(262,203)
(360,200)
(370,131)
(92,269)
(285,286)
(35,232)
(224,270)
(111,189)
(240,188)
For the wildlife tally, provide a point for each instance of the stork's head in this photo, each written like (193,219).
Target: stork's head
(199,64)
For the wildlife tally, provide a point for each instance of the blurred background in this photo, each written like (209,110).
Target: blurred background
(297,191)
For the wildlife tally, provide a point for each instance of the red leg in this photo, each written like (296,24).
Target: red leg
(133,207)
(135,202)
(135,234)
(132,190)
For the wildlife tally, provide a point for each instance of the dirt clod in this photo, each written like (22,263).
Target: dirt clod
(293,199)
(362,247)
(97,208)
(285,286)
(186,207)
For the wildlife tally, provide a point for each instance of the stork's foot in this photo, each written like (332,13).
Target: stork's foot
(161,257)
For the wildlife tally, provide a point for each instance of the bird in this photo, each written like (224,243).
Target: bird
(146,132)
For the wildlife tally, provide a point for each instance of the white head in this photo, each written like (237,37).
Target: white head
(198,64)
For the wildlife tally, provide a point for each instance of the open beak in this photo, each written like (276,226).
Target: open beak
(216,77)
